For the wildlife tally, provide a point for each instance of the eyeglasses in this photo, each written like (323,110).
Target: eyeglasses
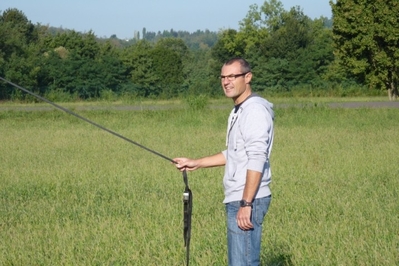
(233,77)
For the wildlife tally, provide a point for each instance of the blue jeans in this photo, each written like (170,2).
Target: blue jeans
(244,246)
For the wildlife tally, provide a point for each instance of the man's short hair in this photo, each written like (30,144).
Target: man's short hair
(245,67)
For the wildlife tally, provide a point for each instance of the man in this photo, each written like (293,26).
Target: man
(247,168)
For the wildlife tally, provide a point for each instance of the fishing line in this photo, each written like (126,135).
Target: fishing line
(87,120)
(187,195)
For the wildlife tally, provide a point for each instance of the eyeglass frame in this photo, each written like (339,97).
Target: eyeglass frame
(233,77)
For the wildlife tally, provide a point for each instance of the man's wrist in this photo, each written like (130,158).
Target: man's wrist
(244,203)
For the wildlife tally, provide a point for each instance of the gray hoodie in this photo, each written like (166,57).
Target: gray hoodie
(249,142)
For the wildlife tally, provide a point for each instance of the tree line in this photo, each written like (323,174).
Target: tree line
(354,52)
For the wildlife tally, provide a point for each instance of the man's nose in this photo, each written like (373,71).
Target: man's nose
(225,80)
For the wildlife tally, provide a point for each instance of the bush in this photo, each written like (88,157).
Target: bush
(58,95)
(108,95)
(197,102)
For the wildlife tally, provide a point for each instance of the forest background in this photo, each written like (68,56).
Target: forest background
(354,53)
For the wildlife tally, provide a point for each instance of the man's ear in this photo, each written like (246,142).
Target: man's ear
(248,78)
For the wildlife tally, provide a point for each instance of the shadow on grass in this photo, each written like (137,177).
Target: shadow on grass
(276,257)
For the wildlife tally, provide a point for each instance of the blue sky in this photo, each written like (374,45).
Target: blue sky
(124,17)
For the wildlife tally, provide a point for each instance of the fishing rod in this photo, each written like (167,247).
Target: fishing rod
(87,120)
(187,195)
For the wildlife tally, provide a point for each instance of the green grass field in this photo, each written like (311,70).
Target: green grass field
(71,194)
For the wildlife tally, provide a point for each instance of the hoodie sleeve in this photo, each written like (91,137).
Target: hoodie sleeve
(257,130)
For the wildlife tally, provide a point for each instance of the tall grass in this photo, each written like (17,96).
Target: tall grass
(71,194)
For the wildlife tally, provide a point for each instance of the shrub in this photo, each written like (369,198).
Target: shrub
(197,102)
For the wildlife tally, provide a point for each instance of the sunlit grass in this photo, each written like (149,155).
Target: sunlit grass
(222,101)
(71,194)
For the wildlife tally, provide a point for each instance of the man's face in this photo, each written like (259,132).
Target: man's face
(235,87)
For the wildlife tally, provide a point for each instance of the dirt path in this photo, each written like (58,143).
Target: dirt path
(365,105)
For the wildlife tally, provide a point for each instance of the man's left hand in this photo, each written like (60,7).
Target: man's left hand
(244,218)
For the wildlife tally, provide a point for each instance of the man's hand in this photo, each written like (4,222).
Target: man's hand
(186,164)
(205,162)
(244,218)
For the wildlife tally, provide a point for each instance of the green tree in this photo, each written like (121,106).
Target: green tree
(229,45)
(16,32)
(18,50)
(366,41)
(252,29)
(112,67)
(201,79)
(85,45)
(168,69)
(285,48)
(139,65)
(298,49)
(168,56)
(76,63)
(74,74)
